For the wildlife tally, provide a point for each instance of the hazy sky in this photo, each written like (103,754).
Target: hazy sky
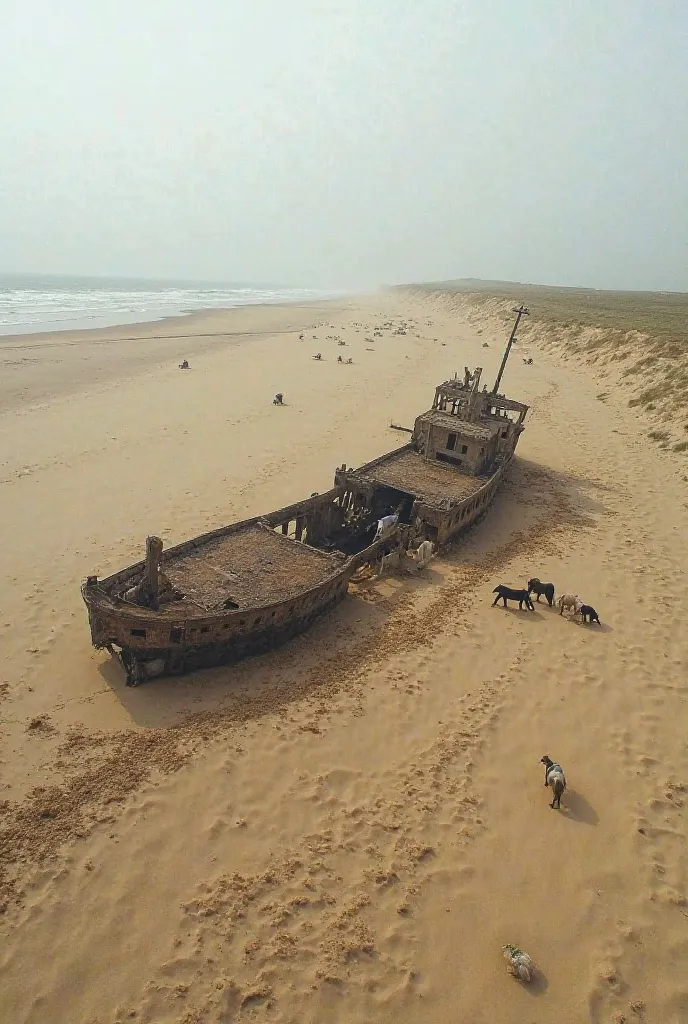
(347,144)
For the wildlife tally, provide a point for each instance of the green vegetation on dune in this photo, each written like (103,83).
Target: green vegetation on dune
(662,315)
(642,336)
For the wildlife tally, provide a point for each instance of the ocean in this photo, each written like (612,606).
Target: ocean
(30,303)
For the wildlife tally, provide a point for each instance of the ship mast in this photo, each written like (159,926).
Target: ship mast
(521,311)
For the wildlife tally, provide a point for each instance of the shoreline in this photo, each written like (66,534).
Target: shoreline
(80,324)
(138,326)
(78,306)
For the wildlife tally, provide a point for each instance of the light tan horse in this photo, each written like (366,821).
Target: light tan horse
(569,601)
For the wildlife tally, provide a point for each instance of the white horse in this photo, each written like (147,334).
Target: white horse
(424,553)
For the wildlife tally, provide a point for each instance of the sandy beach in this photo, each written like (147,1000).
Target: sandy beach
(350,828)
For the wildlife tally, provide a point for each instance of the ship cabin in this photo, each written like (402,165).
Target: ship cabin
(445,478)
(469,428)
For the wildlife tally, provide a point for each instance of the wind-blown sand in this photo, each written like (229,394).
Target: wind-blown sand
(350,828)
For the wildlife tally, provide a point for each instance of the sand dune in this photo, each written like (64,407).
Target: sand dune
(350,828)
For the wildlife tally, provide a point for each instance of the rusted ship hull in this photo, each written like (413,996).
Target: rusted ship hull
(166,642)
(224,643)
(440,525)
(251,586)
(183,636)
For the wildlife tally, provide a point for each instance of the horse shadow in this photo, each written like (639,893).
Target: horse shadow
(594,627)
(576,807)
(539,983)
(522,613)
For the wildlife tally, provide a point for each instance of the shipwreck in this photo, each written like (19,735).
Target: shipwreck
(252,585)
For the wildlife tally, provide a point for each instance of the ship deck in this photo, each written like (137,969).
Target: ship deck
(431,482)
(251,567)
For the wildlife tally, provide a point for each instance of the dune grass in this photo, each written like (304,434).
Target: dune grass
(662,315)
(645,333)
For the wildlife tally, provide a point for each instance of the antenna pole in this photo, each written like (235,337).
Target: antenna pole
(521,311)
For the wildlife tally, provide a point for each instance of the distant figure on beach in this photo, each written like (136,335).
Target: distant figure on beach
(349,361)
(339,359)
(184,365)
(317,355)
(278,399)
